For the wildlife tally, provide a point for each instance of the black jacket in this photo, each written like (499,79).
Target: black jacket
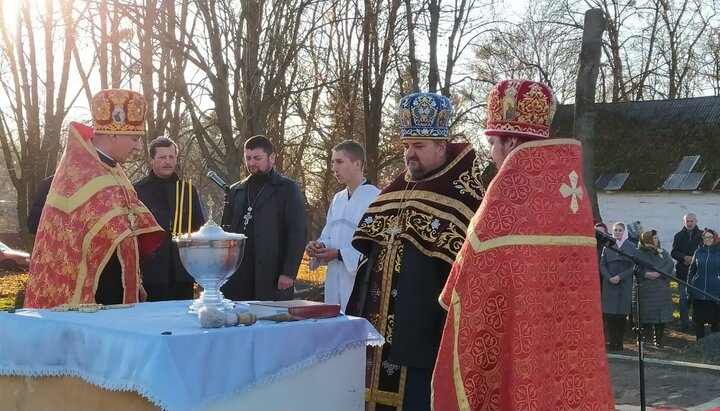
(163,265)
(276,238)
(38,202)
(685,243)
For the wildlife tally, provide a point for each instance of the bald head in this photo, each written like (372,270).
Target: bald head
(690,221)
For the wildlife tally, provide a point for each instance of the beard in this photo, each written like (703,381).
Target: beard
(258,170)
(415,169)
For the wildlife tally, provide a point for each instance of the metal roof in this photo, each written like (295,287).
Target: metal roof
(611,181)
(683,181)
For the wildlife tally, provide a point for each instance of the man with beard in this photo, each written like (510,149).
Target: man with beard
(524,327)
(269,209)
(410,235)
(164,275)
(333,248)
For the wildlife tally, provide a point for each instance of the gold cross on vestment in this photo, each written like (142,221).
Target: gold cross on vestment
(573,191)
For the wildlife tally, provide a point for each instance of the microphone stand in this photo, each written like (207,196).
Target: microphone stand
(224,222)
(609,242)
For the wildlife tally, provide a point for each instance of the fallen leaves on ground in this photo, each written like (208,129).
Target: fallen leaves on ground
(10,285)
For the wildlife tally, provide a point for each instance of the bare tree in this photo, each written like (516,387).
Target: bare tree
(379,25)
(685,24)
(30,130)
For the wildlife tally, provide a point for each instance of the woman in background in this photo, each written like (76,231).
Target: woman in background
(655,295)
(704,273)
(616,271)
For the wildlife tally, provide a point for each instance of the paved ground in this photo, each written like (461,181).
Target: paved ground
(668,385)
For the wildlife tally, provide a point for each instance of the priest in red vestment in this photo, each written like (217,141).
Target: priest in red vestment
(93,228)
(524,327)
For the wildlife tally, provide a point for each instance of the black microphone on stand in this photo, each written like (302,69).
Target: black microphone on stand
(217,180)
(604,238)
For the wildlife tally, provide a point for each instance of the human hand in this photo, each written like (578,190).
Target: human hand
(327,254)
(687,259)
(614,279)
(313,247)
(652,275)
(285,282)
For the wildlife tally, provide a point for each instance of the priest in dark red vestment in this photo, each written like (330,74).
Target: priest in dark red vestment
(524,326)
(409,236)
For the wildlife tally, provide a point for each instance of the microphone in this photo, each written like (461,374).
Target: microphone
(604,238)
(217,180)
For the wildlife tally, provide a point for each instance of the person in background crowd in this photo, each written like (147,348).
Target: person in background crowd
(164,275)
(269,209)
(704,273)
(617,277)
(94,230)
(334,247)
(522,294)
(602,227)
(634,230)
(684,245)
(410,235)
(655,297)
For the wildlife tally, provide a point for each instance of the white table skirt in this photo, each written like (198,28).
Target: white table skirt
(191,368)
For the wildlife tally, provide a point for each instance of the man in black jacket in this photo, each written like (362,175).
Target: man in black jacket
(685,243)
(38,202)
(269,209)
(164,276)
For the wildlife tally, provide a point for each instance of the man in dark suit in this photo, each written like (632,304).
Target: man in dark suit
(164,276)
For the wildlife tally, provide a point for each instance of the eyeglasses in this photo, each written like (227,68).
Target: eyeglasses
(706,237)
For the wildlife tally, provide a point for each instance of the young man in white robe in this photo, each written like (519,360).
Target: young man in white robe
(333,248)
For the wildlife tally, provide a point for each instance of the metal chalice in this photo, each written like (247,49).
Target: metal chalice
(211,255)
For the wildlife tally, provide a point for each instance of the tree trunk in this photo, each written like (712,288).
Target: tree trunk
(584,125)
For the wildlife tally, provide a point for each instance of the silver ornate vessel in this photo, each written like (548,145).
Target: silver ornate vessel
(211,255)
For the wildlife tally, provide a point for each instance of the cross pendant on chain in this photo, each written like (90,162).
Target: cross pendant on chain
(393,231)
(247,217)
(132,219)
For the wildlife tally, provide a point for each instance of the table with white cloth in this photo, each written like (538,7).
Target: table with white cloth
(158,356)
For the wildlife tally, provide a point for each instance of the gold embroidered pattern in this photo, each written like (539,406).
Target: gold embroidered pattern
(534,108)
(389,328)
(428,227)
(398,258)
(469,181)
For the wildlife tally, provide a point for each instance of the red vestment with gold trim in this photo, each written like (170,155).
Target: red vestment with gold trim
(92,211)
(524,327)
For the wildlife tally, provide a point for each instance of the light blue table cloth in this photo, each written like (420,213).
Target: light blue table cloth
(125,349)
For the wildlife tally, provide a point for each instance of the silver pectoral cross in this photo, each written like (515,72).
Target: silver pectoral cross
(132,219)
(247,217)
(393,231)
